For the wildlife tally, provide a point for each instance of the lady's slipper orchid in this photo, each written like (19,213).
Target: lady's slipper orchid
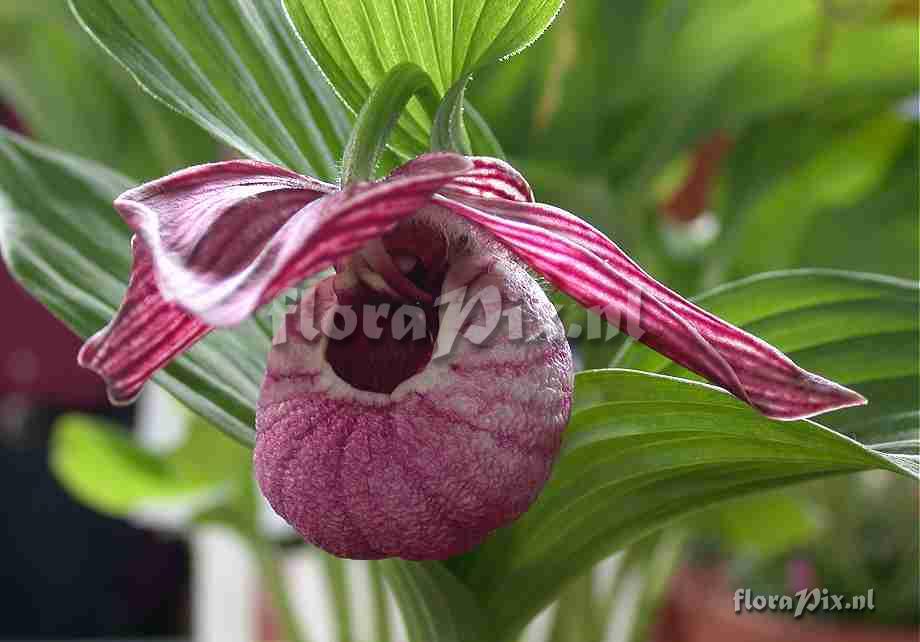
(372,447)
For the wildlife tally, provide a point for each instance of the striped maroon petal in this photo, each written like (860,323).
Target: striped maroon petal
(226,238)
(215,242)
(205,224)
(493,178)
(488,178)
(145,334)
(590,268)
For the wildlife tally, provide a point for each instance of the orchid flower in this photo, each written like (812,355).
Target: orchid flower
(374,448)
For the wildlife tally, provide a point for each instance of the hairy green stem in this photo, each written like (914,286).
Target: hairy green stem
(379,115)
(448,132)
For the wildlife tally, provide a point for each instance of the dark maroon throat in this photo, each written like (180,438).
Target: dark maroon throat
(381,364)
(407,328)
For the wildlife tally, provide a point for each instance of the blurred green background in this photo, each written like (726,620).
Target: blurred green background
(712,139)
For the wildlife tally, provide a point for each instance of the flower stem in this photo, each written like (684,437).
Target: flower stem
(448,132)
(270,565)
(379,115)
(244,517)
(381,615)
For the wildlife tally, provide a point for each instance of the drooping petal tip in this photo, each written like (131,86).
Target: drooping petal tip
(589,267)
(817,396)
(144,335)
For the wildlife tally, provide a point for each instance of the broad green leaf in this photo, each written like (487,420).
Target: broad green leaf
(102,466)
(858,329)
(62,239)
(640,451)
(356,42)
(434,604)
(46,63)
(235,67)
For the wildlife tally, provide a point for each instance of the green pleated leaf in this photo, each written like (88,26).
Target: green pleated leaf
(235,67)
(642,450)
(858,329)
(356,42)
(434,604)
(62,239)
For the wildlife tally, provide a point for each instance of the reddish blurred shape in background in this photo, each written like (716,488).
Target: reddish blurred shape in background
(38,353)
(691,198)
(10,119)
(699,607)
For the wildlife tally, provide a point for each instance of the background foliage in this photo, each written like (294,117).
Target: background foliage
(806,232)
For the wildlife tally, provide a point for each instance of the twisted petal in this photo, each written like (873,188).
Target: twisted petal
(217,241)
(590,268)
(145,334)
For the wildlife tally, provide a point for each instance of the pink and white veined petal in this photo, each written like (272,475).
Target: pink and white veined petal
(201,210)
(588,266)
(216,241)
(492,178)
(144,335)
(221,248)
(488,178)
